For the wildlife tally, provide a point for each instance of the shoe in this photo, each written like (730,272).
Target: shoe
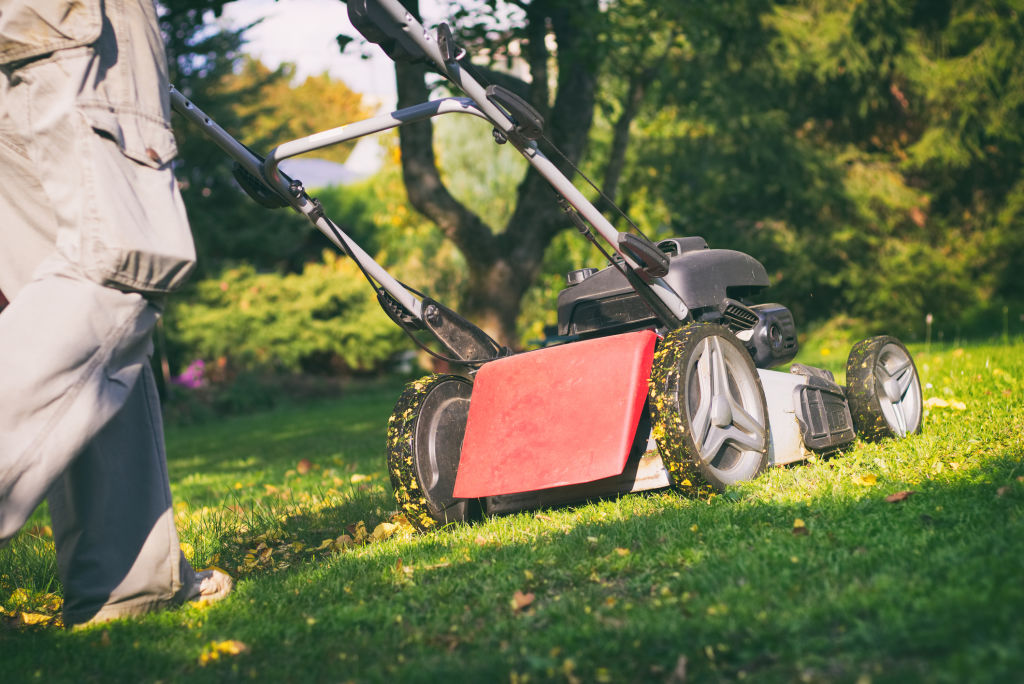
(210,585)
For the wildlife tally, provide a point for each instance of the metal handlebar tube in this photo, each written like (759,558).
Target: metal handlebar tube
(465,341)
(359,129)
(407,30)
(296,198)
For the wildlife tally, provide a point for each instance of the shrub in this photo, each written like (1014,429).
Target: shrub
(325,320)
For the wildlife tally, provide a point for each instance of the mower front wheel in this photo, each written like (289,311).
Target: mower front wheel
(709,415)
(424,443)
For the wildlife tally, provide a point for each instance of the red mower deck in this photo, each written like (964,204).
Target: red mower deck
(557,416)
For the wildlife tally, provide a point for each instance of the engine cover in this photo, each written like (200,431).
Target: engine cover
(603,302)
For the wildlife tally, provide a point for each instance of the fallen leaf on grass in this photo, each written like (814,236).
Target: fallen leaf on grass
(800,527)
(1002,491)
(215,649)
(621,551)
(521,600)
(304,466)
(383,531)
(24,619)
(900,496)
(865,480)
(358,532)
(939,402)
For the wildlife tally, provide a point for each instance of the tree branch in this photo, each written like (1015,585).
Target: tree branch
(537,217)
(638,83)
(423,183)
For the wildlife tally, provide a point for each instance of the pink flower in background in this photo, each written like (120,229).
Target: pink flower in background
(192,377)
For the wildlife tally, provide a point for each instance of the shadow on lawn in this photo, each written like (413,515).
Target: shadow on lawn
(927,588)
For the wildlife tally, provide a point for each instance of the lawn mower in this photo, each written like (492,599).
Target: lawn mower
(662,377)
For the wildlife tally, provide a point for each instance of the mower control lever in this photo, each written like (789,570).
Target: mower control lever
(259,191)
(378,26)
(529,122)
(652,260)
(450,52)
(465,340)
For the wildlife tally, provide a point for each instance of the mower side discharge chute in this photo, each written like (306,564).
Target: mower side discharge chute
(553,417)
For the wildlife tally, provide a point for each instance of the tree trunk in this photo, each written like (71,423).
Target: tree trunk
(502,266)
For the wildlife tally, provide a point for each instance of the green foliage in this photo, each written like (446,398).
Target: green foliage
(377,214)
(868,153)
(325,319)
(277,109)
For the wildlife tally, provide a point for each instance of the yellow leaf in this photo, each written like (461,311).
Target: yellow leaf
(215,649)
(939,402)
(188,550)
(358,532)
(383,531)
(621,551)
(865,480)
(358,477)
(33,618)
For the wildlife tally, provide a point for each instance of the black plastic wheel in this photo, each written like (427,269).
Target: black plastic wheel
(425,434)
(883,389)
(709,415)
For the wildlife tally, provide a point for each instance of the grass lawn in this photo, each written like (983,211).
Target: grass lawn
(807,574)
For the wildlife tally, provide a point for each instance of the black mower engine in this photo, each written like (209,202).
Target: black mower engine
(713,283)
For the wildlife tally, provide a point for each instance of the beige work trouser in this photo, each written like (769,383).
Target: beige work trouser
(92,233)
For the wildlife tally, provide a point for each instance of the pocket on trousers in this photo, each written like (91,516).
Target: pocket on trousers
(138,238)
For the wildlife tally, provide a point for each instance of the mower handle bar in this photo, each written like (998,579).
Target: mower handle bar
(477,104)
(405,28)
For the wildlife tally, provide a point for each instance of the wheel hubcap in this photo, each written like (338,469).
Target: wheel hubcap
(898,389)
(721,413)
(728,418)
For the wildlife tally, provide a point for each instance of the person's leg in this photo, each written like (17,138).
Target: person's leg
(113,523)
(74,357)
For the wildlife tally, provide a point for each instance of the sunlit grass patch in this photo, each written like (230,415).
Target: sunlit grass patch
(892,561)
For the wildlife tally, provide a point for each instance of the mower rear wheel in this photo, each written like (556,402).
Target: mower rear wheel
(883,389)
(425,434)
(709,415)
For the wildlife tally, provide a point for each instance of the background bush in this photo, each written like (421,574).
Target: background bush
(324,320)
